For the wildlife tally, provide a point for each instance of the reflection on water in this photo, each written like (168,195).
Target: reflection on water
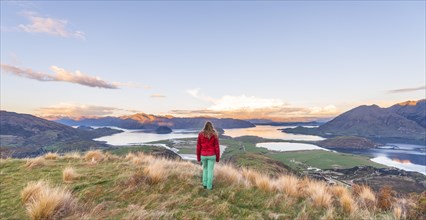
(404,166)
(285,146)
(403,156)
(400,161)
(271,132)
(129,137)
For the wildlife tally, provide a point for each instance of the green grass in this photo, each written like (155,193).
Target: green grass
(123,150)
(102,183)
(106,184)
(14,177)
(323,159)
(187,151)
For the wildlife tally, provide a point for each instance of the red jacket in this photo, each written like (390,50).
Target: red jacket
(207,146)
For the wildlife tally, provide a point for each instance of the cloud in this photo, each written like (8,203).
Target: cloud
(60,74)
(157,96)
(407,89)
(78,111)
(131,85)
(48,25)
(249,107)
(197,94)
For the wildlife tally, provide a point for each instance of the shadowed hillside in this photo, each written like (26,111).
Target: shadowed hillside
(23,135)
(101,185)
(401,122)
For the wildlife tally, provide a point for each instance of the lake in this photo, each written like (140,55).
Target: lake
(286,146)
(138,136)
(272,132)
(403,156)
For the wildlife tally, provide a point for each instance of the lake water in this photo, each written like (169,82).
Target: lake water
(132,137)
(285,146)
(271,132)
(406,156)
(138,137)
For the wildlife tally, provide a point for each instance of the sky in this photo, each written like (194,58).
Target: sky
(280,60)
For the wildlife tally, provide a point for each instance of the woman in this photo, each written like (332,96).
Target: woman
(208,152)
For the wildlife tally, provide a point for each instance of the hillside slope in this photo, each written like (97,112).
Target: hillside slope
(373,121)
(413,110)
(404,121)
(140,186)
(25,135)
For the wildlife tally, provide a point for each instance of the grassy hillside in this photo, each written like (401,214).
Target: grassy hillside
(139,186)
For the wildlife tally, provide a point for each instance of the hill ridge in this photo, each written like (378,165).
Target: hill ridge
(140,186)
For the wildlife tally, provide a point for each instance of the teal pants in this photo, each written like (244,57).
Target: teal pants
(208,169)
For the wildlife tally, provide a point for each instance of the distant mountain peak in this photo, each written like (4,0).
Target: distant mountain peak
(411,103)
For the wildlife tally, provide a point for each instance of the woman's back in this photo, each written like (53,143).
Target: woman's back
(208,146)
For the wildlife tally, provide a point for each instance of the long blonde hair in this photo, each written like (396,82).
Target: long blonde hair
(209,130)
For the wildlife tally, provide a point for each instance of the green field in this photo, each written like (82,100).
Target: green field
(322,159)
(300,160)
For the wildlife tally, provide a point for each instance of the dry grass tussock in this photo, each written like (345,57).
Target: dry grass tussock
(139,213)
(319,194)
(44,202)
(250,175)
(141,158)
(397,212)
(35,162)
(33,190)
(228,174)
(94,156)
(348,204)
(186,170)
(156,171)
(51,156)
(130,156)
(69,175)
(137,161)
(111,157)
(385,198)
(72,155)
(264,183)
(345,199)
(366,197)
(288,184)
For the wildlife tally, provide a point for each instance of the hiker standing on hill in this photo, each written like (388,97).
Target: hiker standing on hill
(208,152)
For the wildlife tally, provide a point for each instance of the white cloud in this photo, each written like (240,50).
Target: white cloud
(60,74)
(197,94)
(326,110)
(247,107)
(48,25)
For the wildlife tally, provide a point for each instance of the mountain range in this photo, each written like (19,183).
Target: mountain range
(149,121)
(401,121)
(25,135)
